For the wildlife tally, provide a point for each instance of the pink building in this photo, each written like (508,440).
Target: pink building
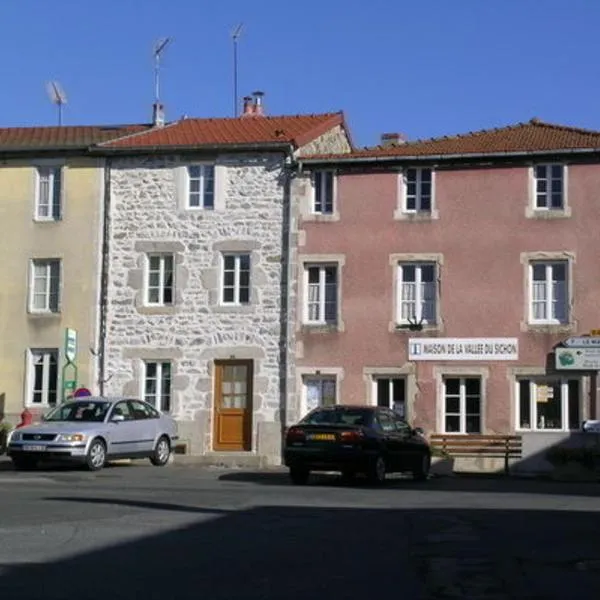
(437,277)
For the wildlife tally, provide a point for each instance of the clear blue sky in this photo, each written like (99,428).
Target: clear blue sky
(421,67)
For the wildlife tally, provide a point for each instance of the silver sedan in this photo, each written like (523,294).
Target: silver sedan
(94,430)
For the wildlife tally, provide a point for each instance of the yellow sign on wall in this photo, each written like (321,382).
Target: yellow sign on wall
(595,332)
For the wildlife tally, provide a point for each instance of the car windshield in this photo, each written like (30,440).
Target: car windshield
(338,416)
(81,411)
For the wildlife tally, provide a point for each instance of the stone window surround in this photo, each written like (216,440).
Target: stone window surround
(48,162)
(137,278)
(531,211)
(442,372)
(400,212)
(308,193)
(306,260)
(336,373)
(526,259)
(515,373)
(182,185)
(394,260)
(406,372)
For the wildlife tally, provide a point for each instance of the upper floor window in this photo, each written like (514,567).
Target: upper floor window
(419,190)
(48,193)
(417,293)
(44,290)
(549,187)
(548,287)
(321,299)
(236,279)
(323,192)
(201,186)
(159,280)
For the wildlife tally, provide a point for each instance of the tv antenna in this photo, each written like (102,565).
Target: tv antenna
(235,35)
(57,96)
(158,49)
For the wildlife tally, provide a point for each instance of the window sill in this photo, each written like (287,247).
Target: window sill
(548,328)
(416,217)
(47,221)
(553,213)
(521,431)
(157,310)
(234,308)
(321,218)
(44,315)
(412,329)
(318,328)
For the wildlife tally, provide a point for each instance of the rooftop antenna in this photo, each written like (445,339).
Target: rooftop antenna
(158,49)
(57,96)
(235,36)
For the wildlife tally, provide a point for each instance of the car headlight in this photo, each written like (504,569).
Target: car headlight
(14,436)
(71,437)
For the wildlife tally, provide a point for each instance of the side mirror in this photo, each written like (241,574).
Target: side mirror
(117,418)
(418,431)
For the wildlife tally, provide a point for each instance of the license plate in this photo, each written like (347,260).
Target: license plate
(34,448)
(322,437)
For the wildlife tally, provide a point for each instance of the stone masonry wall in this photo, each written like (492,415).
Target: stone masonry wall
(334,141)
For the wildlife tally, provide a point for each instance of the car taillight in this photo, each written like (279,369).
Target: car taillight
(351,437)
(295,434)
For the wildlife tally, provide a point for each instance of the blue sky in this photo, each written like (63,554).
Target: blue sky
(424,68)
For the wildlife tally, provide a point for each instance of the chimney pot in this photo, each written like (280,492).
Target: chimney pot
(392,139)
(248,107)
(158,114)
(258,103)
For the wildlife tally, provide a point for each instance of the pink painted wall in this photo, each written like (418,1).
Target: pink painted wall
(481,231)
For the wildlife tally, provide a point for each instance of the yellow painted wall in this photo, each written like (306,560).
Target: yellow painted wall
(76,240)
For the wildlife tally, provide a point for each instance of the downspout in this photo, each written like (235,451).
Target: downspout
(104,269)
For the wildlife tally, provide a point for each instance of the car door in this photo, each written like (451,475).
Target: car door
(121,441)
(146,420)
(407,446)
(391,440)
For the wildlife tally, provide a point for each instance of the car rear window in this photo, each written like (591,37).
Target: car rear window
(346,416)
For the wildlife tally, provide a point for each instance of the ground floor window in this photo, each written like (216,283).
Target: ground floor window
(43,377)
(391,393)
(157,384)
(548,404)
(462,404)
(319,391)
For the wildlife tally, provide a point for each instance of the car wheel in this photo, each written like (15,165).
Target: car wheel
(299,476)
(421,470)
(162,452)
(24,463)
(377,469)
(96,456)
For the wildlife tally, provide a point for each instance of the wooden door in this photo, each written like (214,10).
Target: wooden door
(233,405)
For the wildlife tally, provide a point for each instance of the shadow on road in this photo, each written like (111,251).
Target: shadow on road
(295,553)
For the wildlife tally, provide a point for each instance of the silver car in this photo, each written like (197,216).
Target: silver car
(94,430)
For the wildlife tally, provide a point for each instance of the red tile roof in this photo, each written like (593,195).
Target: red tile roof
(296,130)
(61,138)
(531,137)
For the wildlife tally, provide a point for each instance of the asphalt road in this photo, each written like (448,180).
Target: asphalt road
(186,532)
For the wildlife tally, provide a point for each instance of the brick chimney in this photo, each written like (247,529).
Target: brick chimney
(259,110)
(248,109)
(392,139)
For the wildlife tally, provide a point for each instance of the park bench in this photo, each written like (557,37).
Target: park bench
(479,445)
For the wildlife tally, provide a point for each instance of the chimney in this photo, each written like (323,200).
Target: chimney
(158,114)
(248,107)
(392,139)
(258,103)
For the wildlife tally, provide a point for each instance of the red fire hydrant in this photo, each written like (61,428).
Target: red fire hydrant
(26,418)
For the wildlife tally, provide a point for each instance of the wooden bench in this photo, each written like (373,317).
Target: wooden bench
(489,446)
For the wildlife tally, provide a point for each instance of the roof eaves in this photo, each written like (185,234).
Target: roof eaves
(173,149)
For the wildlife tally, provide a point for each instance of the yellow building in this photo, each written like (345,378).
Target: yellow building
(51,233)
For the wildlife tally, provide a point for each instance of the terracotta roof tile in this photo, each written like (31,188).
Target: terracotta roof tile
(533,136)
(296,130)
(61,138)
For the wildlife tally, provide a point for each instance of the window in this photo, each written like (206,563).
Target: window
(201,186)
(141,410)
(236,279)
(462,405)
(324,191)
(48,194)
(157,384)
(45,286)
(548,404)
(319,391)
(418,195)
(548,289)
(417,293)
(390,392)
(159,280)
(43,377)
(549,187)
(321,283)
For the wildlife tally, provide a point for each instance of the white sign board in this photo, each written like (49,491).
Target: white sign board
(463,349)
(583,342)
(71,345)
(578,359)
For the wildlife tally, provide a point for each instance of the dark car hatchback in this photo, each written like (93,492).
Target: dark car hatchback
(370,440)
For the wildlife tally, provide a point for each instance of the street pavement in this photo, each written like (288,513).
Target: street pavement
(189,532)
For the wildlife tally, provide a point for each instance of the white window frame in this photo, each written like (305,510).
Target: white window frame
(46,354)
(188,178)
(463,403)
(419,297)
(49,264)
(418,210)
(162,271)
(322,267)
(548,193)
(535,381)
(54,196)
(549,263)
(158,401)
(322,210)
(321,378)
(237,257)
(390,378)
